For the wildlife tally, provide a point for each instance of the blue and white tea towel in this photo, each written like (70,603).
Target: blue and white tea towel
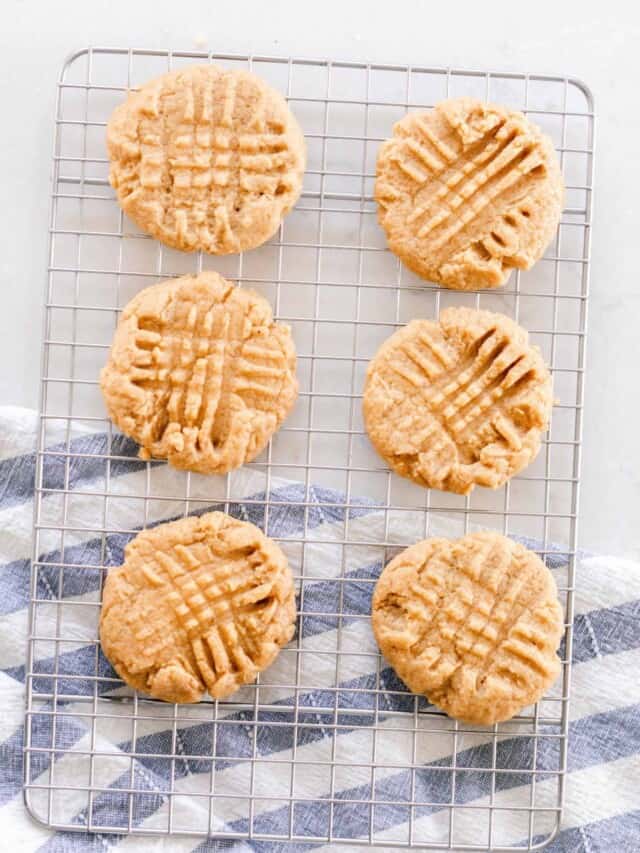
(602,802)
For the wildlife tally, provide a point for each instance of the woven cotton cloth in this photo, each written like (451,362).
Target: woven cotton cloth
(602,799)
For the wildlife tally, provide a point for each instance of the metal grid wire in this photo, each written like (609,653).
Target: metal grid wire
(328,274)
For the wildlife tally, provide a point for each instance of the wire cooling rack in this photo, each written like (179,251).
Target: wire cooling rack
(327,746)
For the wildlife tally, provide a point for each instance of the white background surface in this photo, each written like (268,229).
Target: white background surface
(594,41)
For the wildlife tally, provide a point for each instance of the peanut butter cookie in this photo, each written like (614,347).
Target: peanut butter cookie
(206,158)
(199,373)
(458,403)
(474,624)
(468,191)
(200,604)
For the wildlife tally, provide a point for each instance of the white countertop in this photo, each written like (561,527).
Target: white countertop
(582,39)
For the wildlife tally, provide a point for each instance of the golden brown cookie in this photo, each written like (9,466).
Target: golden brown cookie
(472,623)
(200,373)
(468,191)
(458,403)
(200,604)
(206,158)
